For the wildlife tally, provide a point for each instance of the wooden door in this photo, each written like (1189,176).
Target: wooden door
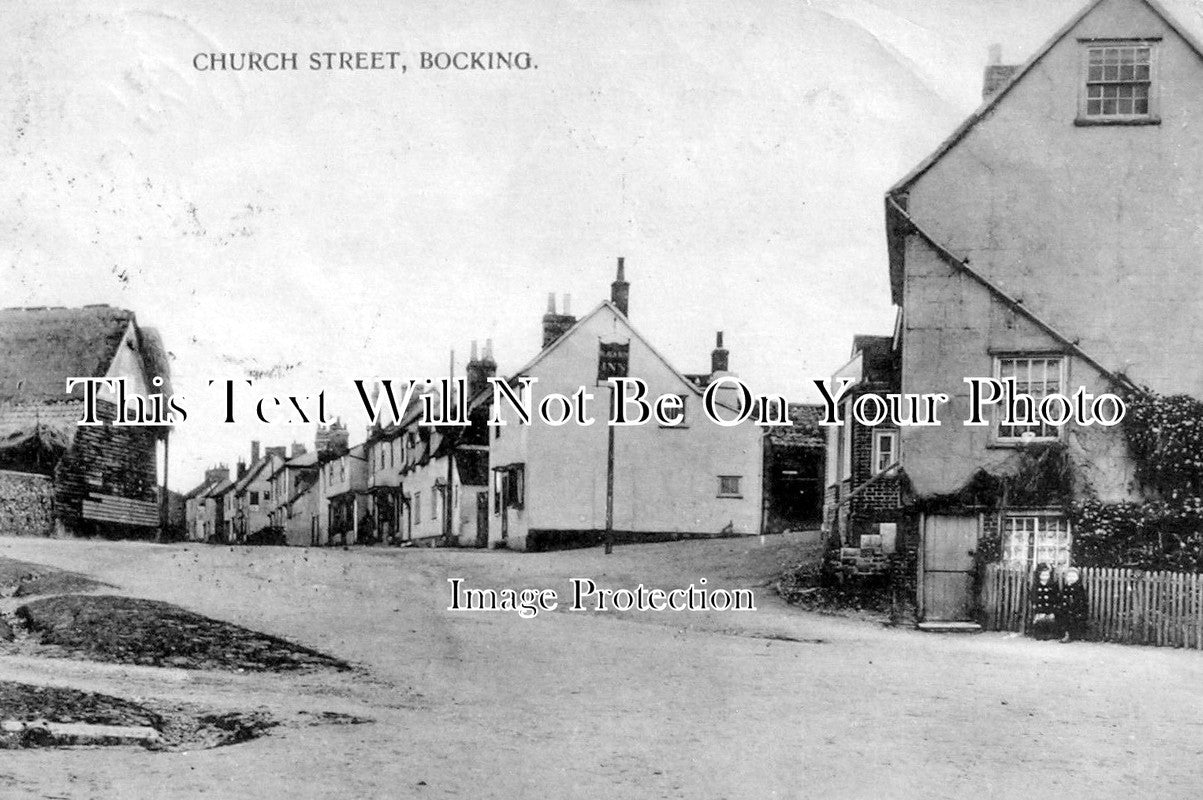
(482,519)
(948,567)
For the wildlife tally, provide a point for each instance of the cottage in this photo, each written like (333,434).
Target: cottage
(861,508)
(429,483)
(59,477)
(343,486)
(295,502)
(253,494)
(549,484)
(1053,239)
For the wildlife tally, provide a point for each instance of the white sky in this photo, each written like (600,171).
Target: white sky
(347,225)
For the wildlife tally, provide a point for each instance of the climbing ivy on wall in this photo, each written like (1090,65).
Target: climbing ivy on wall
(1165,440)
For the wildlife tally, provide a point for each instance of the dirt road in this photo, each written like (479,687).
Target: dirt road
(771,703)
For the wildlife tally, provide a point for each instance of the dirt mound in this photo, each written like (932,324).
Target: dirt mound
(25,579)
(49,716)
(27,703)
(130,630)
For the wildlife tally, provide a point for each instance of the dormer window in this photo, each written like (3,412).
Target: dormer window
(1119,83)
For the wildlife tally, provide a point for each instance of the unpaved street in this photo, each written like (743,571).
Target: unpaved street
(771,703)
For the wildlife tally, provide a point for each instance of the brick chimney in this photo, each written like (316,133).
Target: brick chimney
(280,451)
(718,356)
(555,325)
(331,440)
(997,73)
(240,470)
(219,473)
(255,452)
(298,449)
(620,290)
(479,370)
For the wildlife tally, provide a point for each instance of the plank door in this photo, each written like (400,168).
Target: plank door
(948,565)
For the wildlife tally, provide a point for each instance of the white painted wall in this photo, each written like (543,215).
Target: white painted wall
(666,479)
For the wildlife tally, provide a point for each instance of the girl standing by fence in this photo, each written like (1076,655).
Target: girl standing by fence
(1073,609)
(1045,599)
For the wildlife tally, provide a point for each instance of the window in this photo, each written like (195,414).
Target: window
(885,449)
(728,486)
(434,503)
(1031,539)
(1035,376)
(1118,83)
(515,483)
(417,515)
(671,414)
(266,495)
(254,498)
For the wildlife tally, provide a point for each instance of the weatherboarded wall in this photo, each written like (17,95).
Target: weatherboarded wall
(26,504)
(109,465)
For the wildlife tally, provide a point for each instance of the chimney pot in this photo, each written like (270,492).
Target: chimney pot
(996,73)
(480,370)
(556,325)
(620,290)
(473,358)
(567,305)
(719,361)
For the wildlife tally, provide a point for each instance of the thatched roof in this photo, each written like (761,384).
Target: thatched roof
(41,347)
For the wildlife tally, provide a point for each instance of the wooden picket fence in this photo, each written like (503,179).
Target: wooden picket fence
(1126,605)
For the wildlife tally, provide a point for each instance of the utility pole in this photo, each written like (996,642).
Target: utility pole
(613,361)
(164,497)
(610,472)
(448,441)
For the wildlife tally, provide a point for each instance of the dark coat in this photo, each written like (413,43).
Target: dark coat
(1073,606)
(1045,598)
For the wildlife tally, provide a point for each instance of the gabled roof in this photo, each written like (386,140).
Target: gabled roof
(606,304)
(43,347)
(302,461)
(242,483)
(1185,17)
(197,491)
(219,488)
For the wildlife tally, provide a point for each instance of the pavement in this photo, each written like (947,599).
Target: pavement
(772,703)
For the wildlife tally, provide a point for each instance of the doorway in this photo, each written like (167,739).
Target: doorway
(947,568)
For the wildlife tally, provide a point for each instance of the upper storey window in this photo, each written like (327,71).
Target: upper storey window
(1119,84)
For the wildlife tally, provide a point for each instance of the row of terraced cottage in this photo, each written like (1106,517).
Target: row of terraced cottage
(529,486)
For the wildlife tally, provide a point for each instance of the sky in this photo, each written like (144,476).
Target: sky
(311,228)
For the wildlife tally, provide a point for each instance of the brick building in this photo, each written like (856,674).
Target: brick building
(862,501)
(57,477)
